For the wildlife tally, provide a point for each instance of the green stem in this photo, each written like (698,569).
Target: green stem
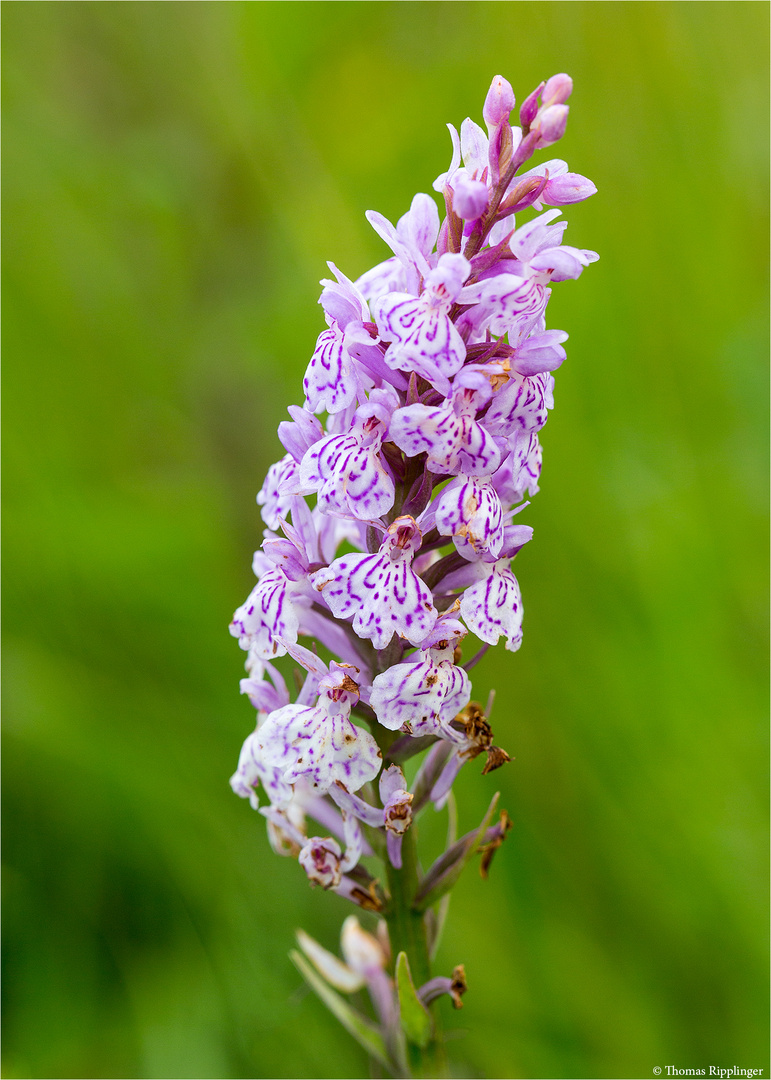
(407,931)
(407,927)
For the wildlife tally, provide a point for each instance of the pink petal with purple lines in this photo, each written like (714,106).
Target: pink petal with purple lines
(493,607)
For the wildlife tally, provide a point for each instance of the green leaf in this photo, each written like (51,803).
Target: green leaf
(363,1030)
(415,1018)
(441,877)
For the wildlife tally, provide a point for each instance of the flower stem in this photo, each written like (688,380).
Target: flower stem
(407,930)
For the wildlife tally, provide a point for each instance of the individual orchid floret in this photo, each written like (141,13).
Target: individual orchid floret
(540,255)
(363,954)
(521,469)
(550,124)
(299,433)
(320,743)
(270,616)
(364,965)
(504,303)
(285,828)
(422,695)
(381,591)
(422,337)
(412,242)
(449,434)
(265,696)
(342,301)
(469,197)
(557,90)
(456,986)
(539,353)
(332,380)
(276,505)
(561,188)
(469,510)
(493,605)
(522,404)
(348,472)
(528,110)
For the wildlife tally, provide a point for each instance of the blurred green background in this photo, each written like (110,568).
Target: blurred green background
(176,175)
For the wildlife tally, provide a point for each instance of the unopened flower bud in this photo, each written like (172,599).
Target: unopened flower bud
(557,90)
(528,110)
(550,124)
(363,953)
(498,103)
(321,861)
(469,198)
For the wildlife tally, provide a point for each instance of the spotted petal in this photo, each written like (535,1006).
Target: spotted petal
(350,478)
(449,434)
(506,303)
(426,695)
(522,403)
(253,769)
(422,338)
(331,381)
(493,607)
(470,512)
(381,592)
(320,746)
(269,616)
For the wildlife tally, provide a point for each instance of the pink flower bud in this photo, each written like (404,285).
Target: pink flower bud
(568,188)
(498,103)
(469,197)
(557,90)
(528,110)
(550,124)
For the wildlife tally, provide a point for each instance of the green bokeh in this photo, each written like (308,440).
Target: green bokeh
(176,175)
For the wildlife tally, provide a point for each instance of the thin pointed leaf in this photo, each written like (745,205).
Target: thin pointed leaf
(363,1031)
(448,867)
(415,1018)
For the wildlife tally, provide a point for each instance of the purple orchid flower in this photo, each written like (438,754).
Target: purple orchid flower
(381,592)
(450,436)
(391,523)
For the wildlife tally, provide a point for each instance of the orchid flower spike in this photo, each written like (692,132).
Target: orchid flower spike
(390,544)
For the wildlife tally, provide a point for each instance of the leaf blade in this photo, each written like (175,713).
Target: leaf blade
(413,1015)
